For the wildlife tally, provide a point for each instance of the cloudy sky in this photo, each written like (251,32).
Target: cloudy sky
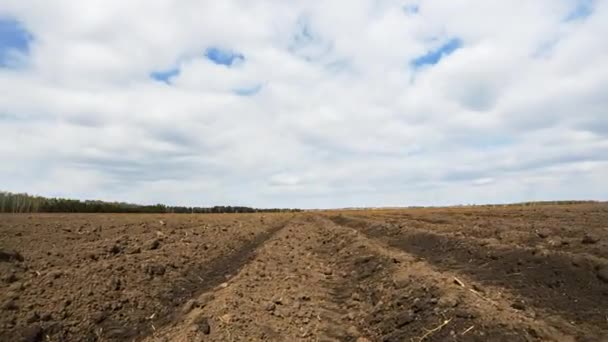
(305,103)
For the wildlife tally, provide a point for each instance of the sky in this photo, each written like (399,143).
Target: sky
(310,104)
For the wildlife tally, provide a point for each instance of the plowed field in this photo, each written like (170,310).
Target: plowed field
(536,273)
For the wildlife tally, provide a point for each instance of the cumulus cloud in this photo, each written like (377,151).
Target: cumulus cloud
(305,104)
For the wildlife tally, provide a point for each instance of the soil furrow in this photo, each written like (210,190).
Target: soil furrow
(118,276)
(398,298)
(277,296)
(545,282)
(204,277)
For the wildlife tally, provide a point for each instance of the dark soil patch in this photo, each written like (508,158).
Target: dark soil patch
(558,283)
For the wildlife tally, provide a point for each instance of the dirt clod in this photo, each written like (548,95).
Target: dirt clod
(405,318)
(10,278)
(134,250)
(191,304)
(55,274)
(32,317)
(202,325)
(9,256)
(115,284)
(98,317)
(9,304)
(33,333)
(590,239)
(602,274)
(153,244)
(115,249)
(154,269)
(518,306)
(544,233)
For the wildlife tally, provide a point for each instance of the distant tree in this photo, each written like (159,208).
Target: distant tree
(24,203)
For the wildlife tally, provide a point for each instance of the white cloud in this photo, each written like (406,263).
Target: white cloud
(341,117)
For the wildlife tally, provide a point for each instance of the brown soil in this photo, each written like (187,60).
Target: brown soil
(456,274)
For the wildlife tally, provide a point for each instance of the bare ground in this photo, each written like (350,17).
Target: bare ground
(467,274)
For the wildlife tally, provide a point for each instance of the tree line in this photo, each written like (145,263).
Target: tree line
(24,203)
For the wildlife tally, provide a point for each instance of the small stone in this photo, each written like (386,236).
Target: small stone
(45,317)
(590,239)
(270,306)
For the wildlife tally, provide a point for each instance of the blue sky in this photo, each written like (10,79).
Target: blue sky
(14,38)
(434,56)
(165,75)
(248,91)
(582,9)
(223,56)
(303,104)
